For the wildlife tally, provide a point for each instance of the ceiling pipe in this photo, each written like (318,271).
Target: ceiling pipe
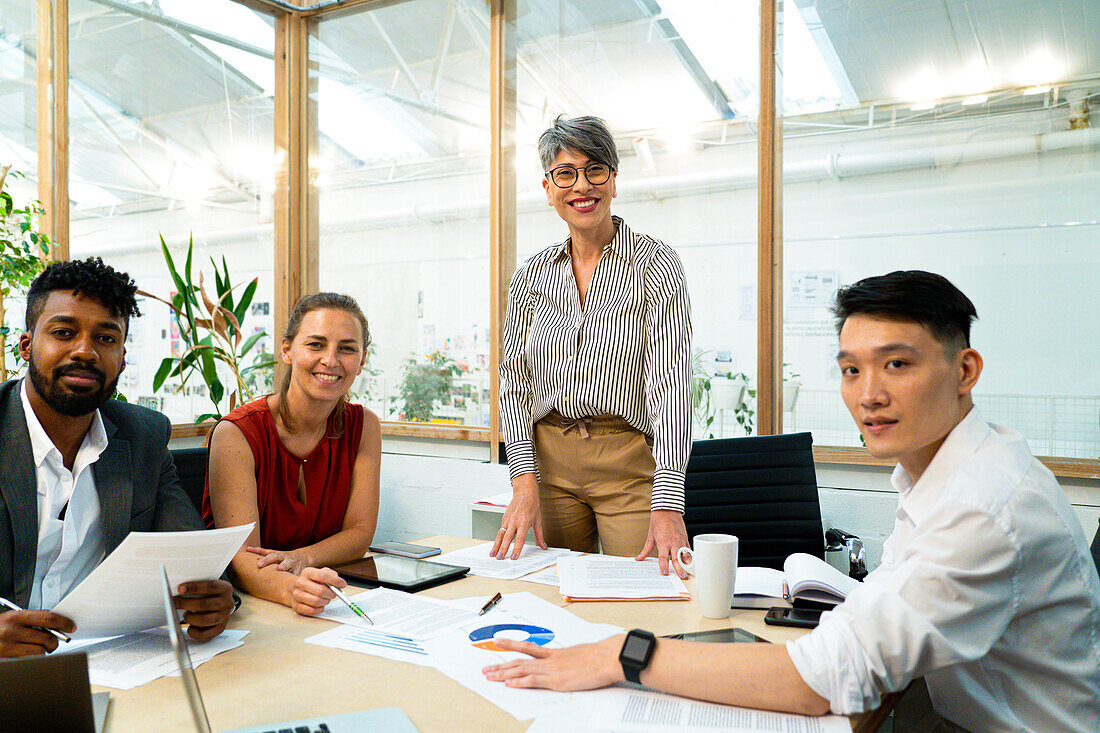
(831,166)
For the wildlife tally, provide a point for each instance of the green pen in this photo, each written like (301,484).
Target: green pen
(350,603)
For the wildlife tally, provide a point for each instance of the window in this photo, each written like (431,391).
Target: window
(966,153)
(400,165)
(171,133)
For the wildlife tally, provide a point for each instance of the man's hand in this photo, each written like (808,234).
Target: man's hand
(668,534)
(22,635)
(310,593)
(292,561)
(583,667)
(206,605)
(521,515)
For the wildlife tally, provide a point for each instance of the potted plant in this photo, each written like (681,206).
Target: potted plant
(790,387)
(423,384)
(212,332)
(23,252)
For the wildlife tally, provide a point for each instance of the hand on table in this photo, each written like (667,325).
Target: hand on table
(523,513)
(667,534)
(22,634)
(292,561)
(582,667)
(310,593)
(206,606)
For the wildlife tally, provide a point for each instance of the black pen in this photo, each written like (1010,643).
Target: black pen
(488,606)
(61,635)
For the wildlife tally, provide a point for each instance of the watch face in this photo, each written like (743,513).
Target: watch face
(635,647)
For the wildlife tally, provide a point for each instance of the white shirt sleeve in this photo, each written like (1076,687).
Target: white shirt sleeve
(938,603)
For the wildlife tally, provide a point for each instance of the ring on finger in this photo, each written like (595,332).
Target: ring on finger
(501,530)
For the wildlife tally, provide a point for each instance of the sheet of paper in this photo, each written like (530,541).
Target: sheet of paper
(503,499)
(759,582)
(609,578)
(124,662)
(522,616)
(404,614)
(549,576)
(370,641)
(531,559)
(123,594)
(629,710)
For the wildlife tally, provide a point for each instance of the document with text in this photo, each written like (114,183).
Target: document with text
(123,594)
(606,578)
(532,558)
(398,612)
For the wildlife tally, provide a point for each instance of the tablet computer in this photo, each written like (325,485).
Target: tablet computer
(731,635)
(399,573)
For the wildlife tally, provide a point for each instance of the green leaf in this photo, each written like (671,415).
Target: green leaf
(207,416)
(249,343)
(246,300)
(163,371)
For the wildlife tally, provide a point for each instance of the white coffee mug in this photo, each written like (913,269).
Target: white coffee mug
(713,562)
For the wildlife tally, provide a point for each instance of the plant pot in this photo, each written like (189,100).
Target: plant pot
(726,394)
(790,395)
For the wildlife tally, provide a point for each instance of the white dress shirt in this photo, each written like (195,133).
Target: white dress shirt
(625,352)
(69,549)
(986,589)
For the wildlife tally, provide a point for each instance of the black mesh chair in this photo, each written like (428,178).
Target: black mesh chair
(191,467)
(761,489)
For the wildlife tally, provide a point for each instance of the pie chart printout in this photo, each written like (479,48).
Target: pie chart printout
(483,638)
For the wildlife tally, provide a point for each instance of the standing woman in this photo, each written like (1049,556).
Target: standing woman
(595,394)
(303,463)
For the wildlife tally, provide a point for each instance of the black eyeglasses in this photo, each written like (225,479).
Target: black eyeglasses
(565,176)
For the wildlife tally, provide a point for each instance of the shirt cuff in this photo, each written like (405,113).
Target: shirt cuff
(668,490)
(521,458)
(824,660)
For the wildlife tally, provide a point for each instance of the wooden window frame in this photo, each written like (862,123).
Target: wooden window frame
(296,226)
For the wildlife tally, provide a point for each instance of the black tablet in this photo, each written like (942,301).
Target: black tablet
(731,635)
(399,573)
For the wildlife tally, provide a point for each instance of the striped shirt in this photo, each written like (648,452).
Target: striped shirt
(626,352)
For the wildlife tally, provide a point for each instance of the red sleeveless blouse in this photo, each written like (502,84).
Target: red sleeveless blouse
(285,523)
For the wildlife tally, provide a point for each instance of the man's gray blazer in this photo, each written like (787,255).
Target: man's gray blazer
(135,479)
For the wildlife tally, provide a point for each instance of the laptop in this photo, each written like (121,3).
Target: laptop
(383,720)
(30,699)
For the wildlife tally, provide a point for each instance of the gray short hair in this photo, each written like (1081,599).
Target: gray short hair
(588,136)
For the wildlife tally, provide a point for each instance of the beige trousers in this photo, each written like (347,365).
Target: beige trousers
(595,483)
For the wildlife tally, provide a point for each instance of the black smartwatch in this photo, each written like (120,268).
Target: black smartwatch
(636,652)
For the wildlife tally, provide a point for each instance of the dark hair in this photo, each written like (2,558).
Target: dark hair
(90,277)
(913,295)
(308,304)
(586,135)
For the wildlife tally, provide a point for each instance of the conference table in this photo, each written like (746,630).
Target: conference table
(275,676)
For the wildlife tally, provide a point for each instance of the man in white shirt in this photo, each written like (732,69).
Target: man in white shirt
(986,588)
(78,471)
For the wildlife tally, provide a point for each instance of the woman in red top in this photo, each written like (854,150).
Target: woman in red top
(302,463)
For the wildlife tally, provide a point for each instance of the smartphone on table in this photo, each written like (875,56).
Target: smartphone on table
(806,618)
(404,549)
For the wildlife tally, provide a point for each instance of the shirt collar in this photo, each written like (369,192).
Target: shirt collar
(621,244)
(41,445)
(917,499)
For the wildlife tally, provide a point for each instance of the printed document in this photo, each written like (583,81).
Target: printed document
(123,594)
(605,578)
(401,613)
(531,559)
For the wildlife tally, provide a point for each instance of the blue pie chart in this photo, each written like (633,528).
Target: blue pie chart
(483,637)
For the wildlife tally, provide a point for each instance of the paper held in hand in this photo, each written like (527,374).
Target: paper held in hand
(604,578)
(808,578)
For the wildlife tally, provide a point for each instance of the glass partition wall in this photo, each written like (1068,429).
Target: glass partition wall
(967,151)
(406,175)
(171,136)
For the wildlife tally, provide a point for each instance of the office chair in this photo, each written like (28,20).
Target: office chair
(761,489)
(191,467)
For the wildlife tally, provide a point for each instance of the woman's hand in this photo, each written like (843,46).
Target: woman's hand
(292,561)
(523,513)
(311,593)
(667,534)
(583,667)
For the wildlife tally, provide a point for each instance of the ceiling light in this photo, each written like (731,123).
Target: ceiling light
(1041,89)
(975,99)
(922,106)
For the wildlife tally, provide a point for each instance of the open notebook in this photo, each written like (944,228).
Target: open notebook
(807,577)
